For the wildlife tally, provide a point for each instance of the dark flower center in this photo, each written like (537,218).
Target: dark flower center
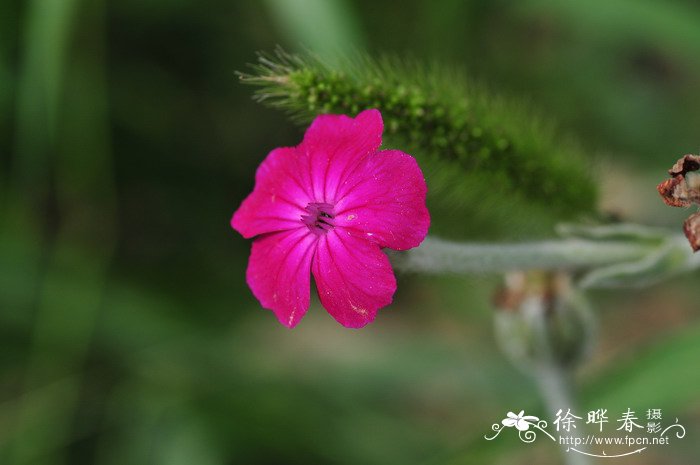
(320,217)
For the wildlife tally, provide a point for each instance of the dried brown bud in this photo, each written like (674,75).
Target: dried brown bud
(669,192)
(691,228)
(683,190)
(684,165)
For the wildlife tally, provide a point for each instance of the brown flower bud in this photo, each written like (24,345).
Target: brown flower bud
(683,190)
(684,165)
(691,227)
(671,192)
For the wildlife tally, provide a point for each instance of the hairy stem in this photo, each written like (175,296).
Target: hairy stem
(618,256)
(554,385)
(436,256)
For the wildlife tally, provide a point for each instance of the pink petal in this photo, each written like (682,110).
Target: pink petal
(278,273)
(353,277)
(384,199)
(282,190)
(334,145)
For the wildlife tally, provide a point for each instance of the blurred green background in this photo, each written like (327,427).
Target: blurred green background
(126,143)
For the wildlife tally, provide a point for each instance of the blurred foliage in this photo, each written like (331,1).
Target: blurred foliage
(126,143)
(328,27)
(620,72)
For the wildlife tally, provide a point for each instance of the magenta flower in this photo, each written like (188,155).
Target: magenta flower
(329,205)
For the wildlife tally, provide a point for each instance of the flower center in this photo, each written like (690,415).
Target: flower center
(320,217)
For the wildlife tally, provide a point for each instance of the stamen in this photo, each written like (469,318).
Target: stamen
(320,217)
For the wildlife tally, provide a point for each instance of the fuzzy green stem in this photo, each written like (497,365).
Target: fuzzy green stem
(608,262)
(436,256)
(554,385)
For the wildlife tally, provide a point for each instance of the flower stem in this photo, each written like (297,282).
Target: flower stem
(436,256)
(619,256)
(554,385)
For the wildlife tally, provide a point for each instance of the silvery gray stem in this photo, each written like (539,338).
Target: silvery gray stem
(605,256)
